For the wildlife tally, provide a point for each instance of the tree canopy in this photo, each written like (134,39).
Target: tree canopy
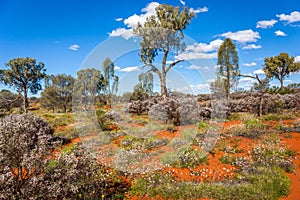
(111,81)
(58,92)
(163,32)
(229,64)
(280,67)
(24,74)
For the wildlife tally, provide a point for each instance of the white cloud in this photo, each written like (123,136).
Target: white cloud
(291,18)
(249,64)
(195,55)
(266,23)
(202,47)
(201,86)
(252,46)
(201,51)
(132,21)
(119,19)
(199,10)
(74,47)
(117,68)
(259,72)
(288,81)
(130,69)
(182,2)
(194,67)
(246,82)
(210,80)
(297,59)
(125,33)
(242,36)
(280,33)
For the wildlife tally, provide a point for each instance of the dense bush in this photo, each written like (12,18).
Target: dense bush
(24,149)
(29,169)
(171,110)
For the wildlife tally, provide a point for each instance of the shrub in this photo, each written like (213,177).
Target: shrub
(184,157)
(24,149)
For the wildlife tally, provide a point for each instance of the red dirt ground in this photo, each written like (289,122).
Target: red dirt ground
(214,169)
(294,143)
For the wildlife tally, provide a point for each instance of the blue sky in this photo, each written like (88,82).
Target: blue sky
(68,35)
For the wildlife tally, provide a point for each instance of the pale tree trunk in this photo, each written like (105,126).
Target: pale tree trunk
(261,104)
(25,101)
(281,83)
(163,85)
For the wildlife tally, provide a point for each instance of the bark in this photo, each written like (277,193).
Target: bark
(25,101)
(163,85)
(281,83)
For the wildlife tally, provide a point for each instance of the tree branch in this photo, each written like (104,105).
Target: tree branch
(153,68)
(173,64)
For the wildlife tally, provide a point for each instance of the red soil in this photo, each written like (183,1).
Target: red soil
(294,143)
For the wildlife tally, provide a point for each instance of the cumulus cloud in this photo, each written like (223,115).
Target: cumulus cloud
(125,33)
(132,21)
(252,46)
(291,18)
(117,68)
(202,47)
(149,10)
(280,33)
(249,64)
(130,69)
(74,47)
(194,67)
(266,23)
(182,2)
(259,72)
(242,36)
(195,55)
(200,51)
(297,59)
(119,19)
(199,10)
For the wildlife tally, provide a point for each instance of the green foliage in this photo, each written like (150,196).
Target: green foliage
(254,124)
(24,74)
(104,121)
(279,117)
(280,66)
(279,90)
(229,64)
(271,154)
(90,82)
(184,157)
(58,92)
(111,81)
(265,183)
(132,142)
(9,100)
(163,32)
(227,159)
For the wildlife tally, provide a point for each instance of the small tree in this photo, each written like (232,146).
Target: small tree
(23,74)
(111,81)
(229,64)
(261,85)
(58,92)
(9,100)
(163,32)
(146,81)
(89,84)
(280,66)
